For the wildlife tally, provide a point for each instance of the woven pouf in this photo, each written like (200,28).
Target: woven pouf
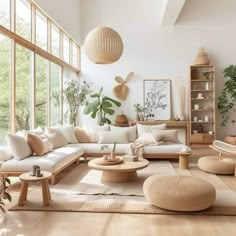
(179,193)
(216,165)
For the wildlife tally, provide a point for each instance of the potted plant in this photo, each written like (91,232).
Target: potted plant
(74,94)
(4,184)
(227,98)
(101,107)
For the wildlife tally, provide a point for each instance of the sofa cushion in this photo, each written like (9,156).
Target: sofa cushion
(82,135)
(131,131)
(165,149)
(148,138)
(37,145)
(113,136)
(148,128)
(167,135)
(18,146)
(52,161)
(5,154)
(68,132)
(56,137)
(94,132)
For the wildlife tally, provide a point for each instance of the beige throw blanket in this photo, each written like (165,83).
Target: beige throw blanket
(135,149)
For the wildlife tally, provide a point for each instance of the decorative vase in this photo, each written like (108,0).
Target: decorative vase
(202,58)
(113,156)
(141,117)
(121,119)
(207,86)
(137,117)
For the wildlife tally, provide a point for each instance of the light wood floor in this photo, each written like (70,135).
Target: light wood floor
(96,224)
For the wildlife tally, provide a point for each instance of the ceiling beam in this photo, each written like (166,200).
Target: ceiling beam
(171,11)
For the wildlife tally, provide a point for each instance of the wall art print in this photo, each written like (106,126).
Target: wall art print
(157,99)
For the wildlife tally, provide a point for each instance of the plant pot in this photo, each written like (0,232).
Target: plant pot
(121,120)
(231,139)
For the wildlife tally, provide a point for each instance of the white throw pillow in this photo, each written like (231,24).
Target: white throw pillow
(19,147)
(56,137)
(111,137)
(148,139)
(94,132)
(168,135)
(5,154)
(68,131)
(148,128)
(131,131)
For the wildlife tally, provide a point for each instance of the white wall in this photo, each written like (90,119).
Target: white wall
(152,52)
(66,13)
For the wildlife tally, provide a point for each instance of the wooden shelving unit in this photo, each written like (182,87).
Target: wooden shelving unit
(202,104)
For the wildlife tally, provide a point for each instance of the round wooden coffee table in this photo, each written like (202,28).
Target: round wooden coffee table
(27,178)
(123,172)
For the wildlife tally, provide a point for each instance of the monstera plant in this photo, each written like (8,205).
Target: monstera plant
(101,107)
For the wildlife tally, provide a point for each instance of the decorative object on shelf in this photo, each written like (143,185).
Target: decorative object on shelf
(4,184)
(181,97)
(103,45)
(196,107)
(195,119)
(121,119)
(200,128)
(75,94)
(199,96)
(206,118)
(210,132)
(202,58)
(227,98)
(101,107)
(207,86)
(138,110)
(157,99)
(207,74)
(195,131)
(121,91)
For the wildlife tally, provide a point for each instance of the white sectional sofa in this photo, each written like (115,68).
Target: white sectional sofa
(59,158)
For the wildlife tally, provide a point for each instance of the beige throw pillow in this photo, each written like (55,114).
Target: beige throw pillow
(131,131)
(148,128)
(19,147)
(167,135)
(82,135)
(94,132)
(148,139)
(37,145)
(56,137)
(111,137)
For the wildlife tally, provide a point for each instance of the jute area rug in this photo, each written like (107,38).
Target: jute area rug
(79,189)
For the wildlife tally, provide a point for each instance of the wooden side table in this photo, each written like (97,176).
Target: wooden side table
(26,178)
(183,160)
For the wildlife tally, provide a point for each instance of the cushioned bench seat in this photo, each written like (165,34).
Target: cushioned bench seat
(53,161)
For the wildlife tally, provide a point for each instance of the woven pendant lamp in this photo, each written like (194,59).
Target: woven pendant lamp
(103,45)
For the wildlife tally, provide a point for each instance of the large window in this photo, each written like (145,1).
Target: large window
(5,13)
(31,78)
(41,92)
(55,43)
(41,30)
(5,55)
(23,88)
(23,19)
(66,49)
(55,101)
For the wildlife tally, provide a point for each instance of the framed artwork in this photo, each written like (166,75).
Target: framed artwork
(157,99)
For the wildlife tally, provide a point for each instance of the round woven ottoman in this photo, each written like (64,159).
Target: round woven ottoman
(179,193)
(216,165)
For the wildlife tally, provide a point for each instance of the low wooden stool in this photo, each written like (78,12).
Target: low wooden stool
(26,178)
(183,160)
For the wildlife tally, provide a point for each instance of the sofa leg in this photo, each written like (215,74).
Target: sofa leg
(78,161)
(53,179)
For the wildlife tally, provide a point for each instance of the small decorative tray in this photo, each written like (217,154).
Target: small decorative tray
(117,160)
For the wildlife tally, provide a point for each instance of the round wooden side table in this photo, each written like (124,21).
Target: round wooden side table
(183,160)
(27,178)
